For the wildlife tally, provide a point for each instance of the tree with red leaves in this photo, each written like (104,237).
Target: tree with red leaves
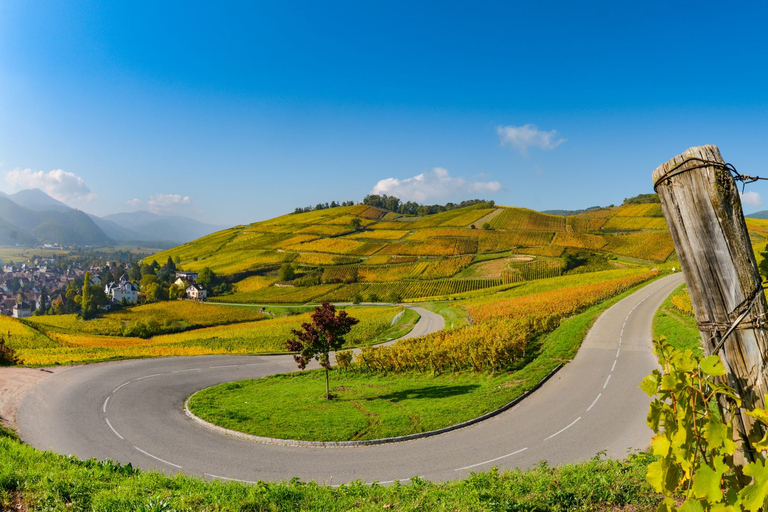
(319,338)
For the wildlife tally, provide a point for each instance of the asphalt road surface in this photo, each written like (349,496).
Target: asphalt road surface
(133,411)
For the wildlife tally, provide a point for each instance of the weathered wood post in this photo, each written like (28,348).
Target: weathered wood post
(701,204)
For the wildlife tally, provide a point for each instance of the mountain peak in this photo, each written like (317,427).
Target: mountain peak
(36,199)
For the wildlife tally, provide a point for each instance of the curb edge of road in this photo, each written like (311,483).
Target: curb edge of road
(371,442)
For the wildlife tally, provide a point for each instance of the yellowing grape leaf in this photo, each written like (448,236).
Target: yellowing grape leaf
(712,366)
(706,481)
(753,495)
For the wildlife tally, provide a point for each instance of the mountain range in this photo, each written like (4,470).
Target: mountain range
(31,217)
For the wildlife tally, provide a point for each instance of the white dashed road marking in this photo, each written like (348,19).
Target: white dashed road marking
(157,458)
(594,402)
(564,429)
(113,429)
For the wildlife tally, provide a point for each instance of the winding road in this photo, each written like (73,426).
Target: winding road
(133,411)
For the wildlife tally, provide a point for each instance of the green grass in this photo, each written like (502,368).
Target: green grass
(47,481)
(679,328)
(367,406)
(378,405)
(401,326)
(452,313)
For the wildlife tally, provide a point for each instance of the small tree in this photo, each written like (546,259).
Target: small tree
(317,339)
(207,278)
(287,272)
(356,224)
(87,304)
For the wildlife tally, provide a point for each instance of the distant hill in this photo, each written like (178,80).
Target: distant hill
(566,213)
(25,226)
(763,214)
(31,217)
(115,231)
(153,227)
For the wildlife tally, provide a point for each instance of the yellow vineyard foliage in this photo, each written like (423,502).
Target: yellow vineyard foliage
(263,336)
(500,335)
(681,301)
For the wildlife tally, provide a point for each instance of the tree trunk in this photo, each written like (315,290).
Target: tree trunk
(327,386)
(701,204)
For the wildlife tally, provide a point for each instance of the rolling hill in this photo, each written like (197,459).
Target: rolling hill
(404,257)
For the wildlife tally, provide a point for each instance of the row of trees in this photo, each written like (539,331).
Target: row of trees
(394,204)
(323,206)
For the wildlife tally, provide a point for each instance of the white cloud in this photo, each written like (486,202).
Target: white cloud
(523,137)
(429,185)
(752,199)
(167,203)
(135,202)
(59,184)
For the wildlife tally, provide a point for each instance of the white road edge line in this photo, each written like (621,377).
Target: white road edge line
(606,381)
(113,429)
(104,407)
(230,479)
(593,403)
(157,458)
(618,351)
(492,460)
(563,430)
(614,365)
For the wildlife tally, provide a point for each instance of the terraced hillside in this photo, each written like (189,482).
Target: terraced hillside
(366,253)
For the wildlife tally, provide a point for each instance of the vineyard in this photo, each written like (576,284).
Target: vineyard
(681,302)
(435,246)
(69,342)
(502,332)
(517,271)
(389,252)
(168,316)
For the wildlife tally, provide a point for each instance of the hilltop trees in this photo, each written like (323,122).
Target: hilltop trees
(394,204)
(317,339)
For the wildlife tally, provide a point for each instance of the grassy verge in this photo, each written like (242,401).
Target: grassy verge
(400,327)
(378,405)
(34,480)
(679,328)
(453,314)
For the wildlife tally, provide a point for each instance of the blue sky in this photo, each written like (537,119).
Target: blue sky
(239,112)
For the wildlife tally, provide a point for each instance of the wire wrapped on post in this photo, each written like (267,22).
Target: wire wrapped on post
(743,178)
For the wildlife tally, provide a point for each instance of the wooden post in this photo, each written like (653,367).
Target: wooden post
(701,204)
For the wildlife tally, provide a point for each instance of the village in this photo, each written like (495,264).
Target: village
(41,286)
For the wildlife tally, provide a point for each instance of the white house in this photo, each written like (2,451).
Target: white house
(196,292)
(124,290)
(21,310)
